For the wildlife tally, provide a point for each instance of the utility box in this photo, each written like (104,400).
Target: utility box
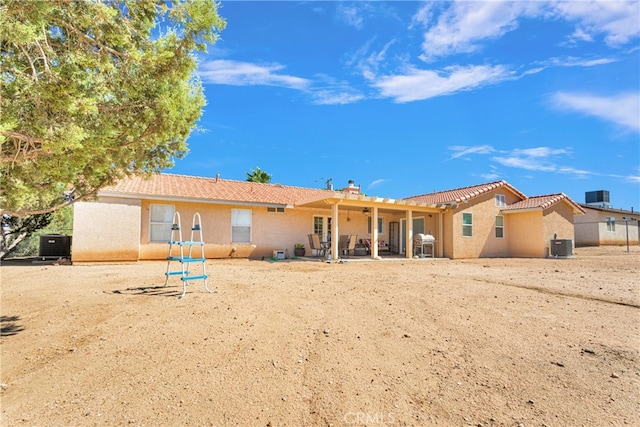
(278,254)
(561,248)
(55,246)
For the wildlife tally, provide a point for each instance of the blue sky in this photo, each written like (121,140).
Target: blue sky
(407,98)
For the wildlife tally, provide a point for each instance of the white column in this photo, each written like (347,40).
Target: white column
(374,233)
(334,232)
(440,236)
(409,235)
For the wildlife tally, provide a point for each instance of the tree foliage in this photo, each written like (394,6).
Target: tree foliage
(92,91)
(17,229)
(258,175)
(21,235)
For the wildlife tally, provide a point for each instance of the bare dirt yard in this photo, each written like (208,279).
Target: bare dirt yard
(505,342)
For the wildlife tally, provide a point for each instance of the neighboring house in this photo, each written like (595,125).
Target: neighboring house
(606,226)
(132,220)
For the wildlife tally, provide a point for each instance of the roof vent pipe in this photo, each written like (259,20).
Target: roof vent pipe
(217,177)
(329,184)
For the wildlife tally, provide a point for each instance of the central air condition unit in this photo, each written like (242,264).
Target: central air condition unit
(561,248)
(55,246)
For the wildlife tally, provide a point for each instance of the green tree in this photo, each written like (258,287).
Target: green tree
(16,229)
(258,175)
(21,235)
(93,91)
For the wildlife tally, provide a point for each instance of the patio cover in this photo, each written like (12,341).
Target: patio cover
(334,202)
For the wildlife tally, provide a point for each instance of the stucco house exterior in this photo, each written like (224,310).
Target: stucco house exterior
(606,226)
(497,220)
(131,220)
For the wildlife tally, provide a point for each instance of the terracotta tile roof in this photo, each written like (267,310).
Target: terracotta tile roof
(171,186)
(465,193)
(543,202)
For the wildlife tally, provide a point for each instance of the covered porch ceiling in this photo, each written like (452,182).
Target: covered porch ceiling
(354,202)
(340,201)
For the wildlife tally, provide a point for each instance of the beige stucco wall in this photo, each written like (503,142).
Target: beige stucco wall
(587,228)
(591,229)
(525,234)
(106,231)
(558,224)
(270,230)
(483,243)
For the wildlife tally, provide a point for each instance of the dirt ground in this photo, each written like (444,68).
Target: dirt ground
(505,342)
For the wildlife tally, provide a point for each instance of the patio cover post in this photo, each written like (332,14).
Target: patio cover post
(409,235)
(334,231)
(440,234)
(374,232)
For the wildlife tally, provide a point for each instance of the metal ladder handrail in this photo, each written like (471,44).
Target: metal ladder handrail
(187,260)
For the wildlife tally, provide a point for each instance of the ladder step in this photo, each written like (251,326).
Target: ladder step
(187,259)
(187,242)
(194,277)
(175,273)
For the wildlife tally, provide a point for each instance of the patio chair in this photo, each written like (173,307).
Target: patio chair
(343,243)
(314,243)
(350,247)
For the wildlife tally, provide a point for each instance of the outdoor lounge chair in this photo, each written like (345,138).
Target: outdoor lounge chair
(314,243)
(350,245)
(343,242)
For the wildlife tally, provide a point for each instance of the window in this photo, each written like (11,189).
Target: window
(467,225)
(322,227)
(279,210)
(500,200)
(241,225)
(160,221)
(611,223)
(500,226)
(380,225)
(318,225)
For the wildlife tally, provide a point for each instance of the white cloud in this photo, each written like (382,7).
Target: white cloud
(463,150)
(463,26)
(622,109)
(541,159)
(377,183)
(490,176)
(616,20)
(350,15)
(236,73)
(540,152)
(327,97)
(580,62)
(418,84)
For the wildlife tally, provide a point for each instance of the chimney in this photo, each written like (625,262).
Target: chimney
(217,177)
(351,188)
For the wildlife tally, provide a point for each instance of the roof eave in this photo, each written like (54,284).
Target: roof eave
(192,200)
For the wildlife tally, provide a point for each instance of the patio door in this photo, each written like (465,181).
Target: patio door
(418,227)
(322,227)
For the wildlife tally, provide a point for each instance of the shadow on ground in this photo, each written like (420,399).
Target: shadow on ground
(9,326)
(158,291)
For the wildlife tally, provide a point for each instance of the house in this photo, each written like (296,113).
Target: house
(132,220)
(603,225)
(497,220)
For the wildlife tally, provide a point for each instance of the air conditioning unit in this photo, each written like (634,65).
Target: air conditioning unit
(561,248)
(55,246)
